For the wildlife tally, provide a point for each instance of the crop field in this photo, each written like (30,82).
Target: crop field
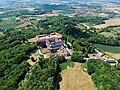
(67,12)
(6,14)
(103,14)
(116,56)
(8,23)
(74,78)
(115,29)
(110,31)
(107,34)
(111,49)
(1,12)
(110,22)
(30,9)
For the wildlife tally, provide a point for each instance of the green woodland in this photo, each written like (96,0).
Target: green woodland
(105,77)
(41,76)
(16,73)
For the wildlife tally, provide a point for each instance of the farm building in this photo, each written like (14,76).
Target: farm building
(112,61)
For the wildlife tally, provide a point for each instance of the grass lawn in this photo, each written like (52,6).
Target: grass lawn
(111,49)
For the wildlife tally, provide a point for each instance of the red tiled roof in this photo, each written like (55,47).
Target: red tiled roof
(49,36)
(63,50)
(99,57)
(57,40)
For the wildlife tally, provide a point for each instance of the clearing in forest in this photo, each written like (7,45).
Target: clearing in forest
(1,34)
(76,79)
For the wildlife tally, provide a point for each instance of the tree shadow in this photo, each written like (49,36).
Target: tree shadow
(58,80)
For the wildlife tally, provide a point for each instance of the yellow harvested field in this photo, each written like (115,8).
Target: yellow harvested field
(2,12)
(30,9)
(43,15)
(76,79)
(107,34)
(56,11)
(49,15)
(103,14)
(5,19)
(110,22)
(116,56)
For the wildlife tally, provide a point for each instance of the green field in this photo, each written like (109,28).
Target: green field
(67,12)
(111,49)
(9,23)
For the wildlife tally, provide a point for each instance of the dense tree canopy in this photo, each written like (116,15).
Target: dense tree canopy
(77,57)
(14,52)
(41,76)
(105,77)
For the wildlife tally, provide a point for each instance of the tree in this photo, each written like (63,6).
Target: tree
(61,59)
(77,57)
(32,58)
(104,76)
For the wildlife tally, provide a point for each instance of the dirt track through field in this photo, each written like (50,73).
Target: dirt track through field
(76,79)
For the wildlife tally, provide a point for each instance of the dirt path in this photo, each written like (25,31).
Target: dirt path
(75,79)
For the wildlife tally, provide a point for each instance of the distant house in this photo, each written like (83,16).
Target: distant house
(112,61)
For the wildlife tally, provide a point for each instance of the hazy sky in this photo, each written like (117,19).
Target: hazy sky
(62,0)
